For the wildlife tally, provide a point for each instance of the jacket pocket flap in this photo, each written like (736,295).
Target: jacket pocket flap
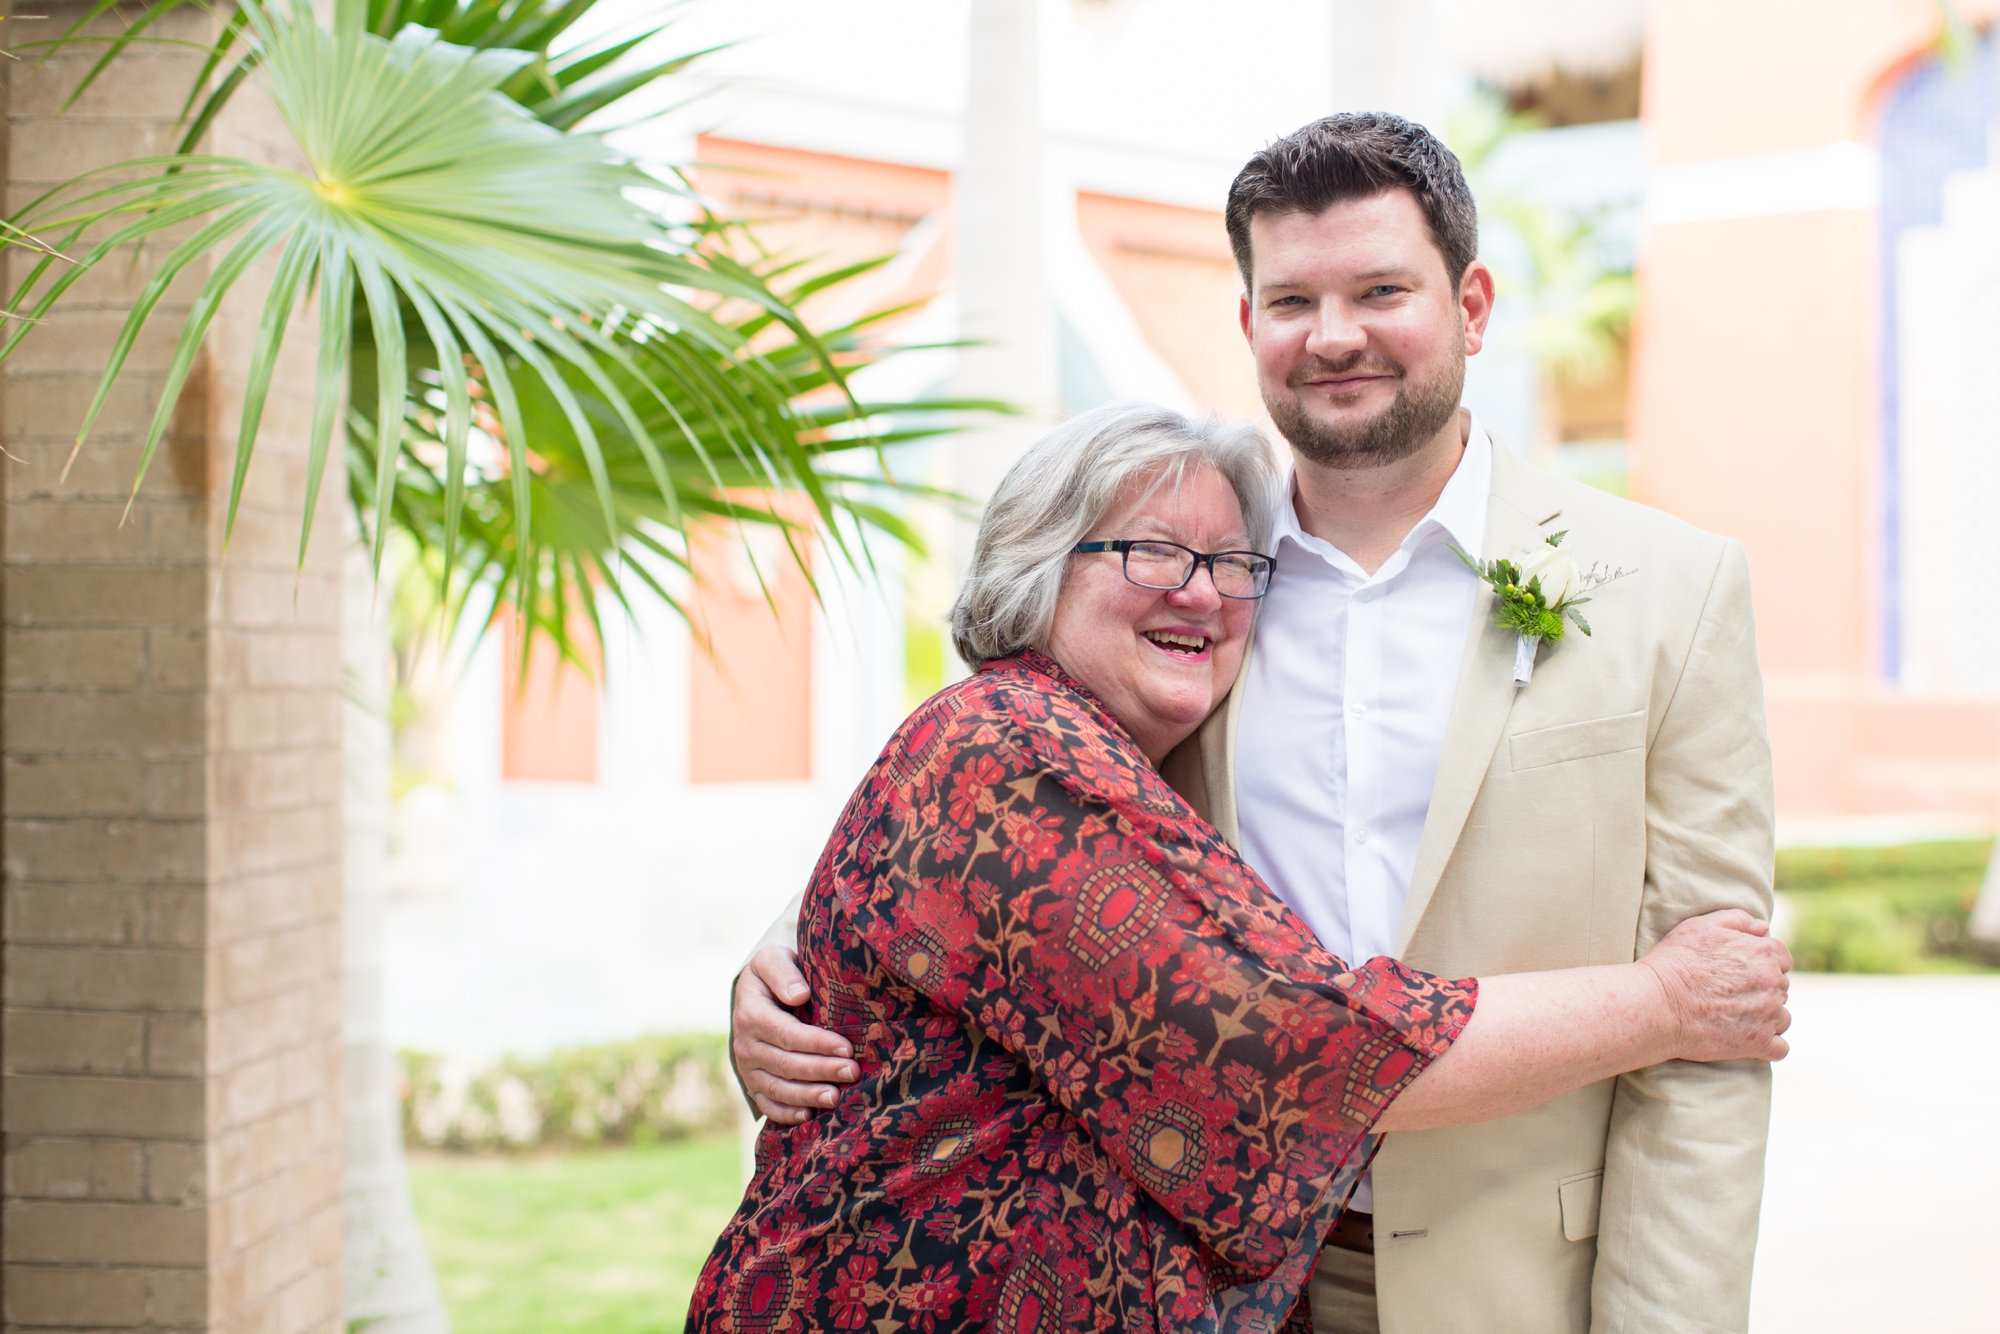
(1577,741)
(1580,1196)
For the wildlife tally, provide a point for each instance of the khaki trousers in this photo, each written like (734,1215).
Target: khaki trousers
(1342,1293)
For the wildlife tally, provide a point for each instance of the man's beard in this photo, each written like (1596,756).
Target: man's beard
(1415,417)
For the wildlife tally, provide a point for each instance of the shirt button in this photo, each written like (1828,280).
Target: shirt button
(1361,833)
(1357,710)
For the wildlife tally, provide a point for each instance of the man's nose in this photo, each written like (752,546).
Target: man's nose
(1335,332)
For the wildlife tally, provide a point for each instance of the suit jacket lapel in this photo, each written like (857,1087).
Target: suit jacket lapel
(1516,520)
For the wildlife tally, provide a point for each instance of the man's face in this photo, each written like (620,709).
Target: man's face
(1359,333)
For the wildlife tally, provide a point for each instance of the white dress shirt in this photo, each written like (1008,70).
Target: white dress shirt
(1346,696)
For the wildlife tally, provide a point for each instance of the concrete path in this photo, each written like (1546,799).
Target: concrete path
(1882,1191)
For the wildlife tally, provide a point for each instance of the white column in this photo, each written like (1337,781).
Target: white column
(1985,923)
(1002,287)
(387,1273)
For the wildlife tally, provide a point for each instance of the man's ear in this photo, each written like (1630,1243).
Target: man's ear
(1243,317)
(1475,302)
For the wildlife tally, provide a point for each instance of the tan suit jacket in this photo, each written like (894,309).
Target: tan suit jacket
(1575,820)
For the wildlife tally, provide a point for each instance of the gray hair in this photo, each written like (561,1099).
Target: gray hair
(1064,486)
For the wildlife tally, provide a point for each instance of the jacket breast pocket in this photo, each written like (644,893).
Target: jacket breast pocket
(1581,1195)
(1577,741)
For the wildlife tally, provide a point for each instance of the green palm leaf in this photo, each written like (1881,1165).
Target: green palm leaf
(577,557)
(432,192)
(561,89)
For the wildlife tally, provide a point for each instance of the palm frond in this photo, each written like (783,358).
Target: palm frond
(561,88)
(829,485)
(434,193)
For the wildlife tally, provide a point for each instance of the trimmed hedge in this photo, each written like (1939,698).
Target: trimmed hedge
(639,1092)
(1884,910)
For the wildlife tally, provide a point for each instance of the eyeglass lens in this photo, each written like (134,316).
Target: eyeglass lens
(1164,565)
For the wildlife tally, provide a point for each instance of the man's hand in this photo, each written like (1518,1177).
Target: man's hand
(789,1069)
(1726,978)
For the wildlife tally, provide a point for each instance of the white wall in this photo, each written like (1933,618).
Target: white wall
(531,915)
(1949,289)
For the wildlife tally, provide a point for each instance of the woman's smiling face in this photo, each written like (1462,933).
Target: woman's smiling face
(1159,660)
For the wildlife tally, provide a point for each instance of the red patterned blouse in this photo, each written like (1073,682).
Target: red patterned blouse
(1108,1081)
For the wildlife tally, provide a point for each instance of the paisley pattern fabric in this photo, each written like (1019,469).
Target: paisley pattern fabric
(1108,1081)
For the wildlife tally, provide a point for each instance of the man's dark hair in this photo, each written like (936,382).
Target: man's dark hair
(1357,156)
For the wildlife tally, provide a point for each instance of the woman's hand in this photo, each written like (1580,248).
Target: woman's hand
(1724,976)
(788,1068)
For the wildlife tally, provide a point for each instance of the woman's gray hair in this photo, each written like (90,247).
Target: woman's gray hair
(1064,486)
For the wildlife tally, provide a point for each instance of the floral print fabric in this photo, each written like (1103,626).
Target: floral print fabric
(1108,1081)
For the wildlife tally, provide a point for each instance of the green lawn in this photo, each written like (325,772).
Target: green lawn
(604,1241)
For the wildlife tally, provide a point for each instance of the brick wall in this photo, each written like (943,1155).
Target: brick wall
(169,1063)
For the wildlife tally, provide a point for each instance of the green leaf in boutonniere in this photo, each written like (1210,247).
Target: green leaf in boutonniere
(1535,595)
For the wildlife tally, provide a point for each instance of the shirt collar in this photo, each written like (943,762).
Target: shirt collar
(1460,511)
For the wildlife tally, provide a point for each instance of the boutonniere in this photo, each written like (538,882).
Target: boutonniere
(1537,594)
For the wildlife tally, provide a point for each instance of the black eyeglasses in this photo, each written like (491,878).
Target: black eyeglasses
(1169,565)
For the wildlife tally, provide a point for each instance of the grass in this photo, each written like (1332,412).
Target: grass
(605,1241)
(1884,910)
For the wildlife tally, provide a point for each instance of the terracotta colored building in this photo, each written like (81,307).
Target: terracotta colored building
(1804,340)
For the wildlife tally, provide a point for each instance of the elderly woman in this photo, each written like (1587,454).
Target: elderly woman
(1107,1080)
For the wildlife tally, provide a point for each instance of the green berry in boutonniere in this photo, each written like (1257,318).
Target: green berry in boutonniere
(1537,593)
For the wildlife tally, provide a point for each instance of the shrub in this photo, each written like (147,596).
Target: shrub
(638,1092)
(1853,932)
(1883,910)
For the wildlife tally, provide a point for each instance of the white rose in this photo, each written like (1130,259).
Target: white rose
(1557,570)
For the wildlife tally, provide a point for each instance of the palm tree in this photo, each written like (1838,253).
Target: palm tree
(545,381)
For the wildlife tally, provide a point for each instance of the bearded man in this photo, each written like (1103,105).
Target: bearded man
(1416,780)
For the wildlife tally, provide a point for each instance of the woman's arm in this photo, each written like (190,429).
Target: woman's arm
(1713,990)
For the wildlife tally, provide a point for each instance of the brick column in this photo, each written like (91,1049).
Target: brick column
(169,1064)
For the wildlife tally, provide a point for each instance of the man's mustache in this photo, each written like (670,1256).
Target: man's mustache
(1318,367)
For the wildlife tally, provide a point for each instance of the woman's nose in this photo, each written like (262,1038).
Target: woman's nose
(1198,593)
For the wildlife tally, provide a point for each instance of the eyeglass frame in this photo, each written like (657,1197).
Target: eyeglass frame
(1123,546)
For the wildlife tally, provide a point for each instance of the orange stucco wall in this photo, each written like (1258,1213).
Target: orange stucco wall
(735,168)
(1754,409)
(750,671)
(548,731)
(1761,76)
(1172,268)
(824,211)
